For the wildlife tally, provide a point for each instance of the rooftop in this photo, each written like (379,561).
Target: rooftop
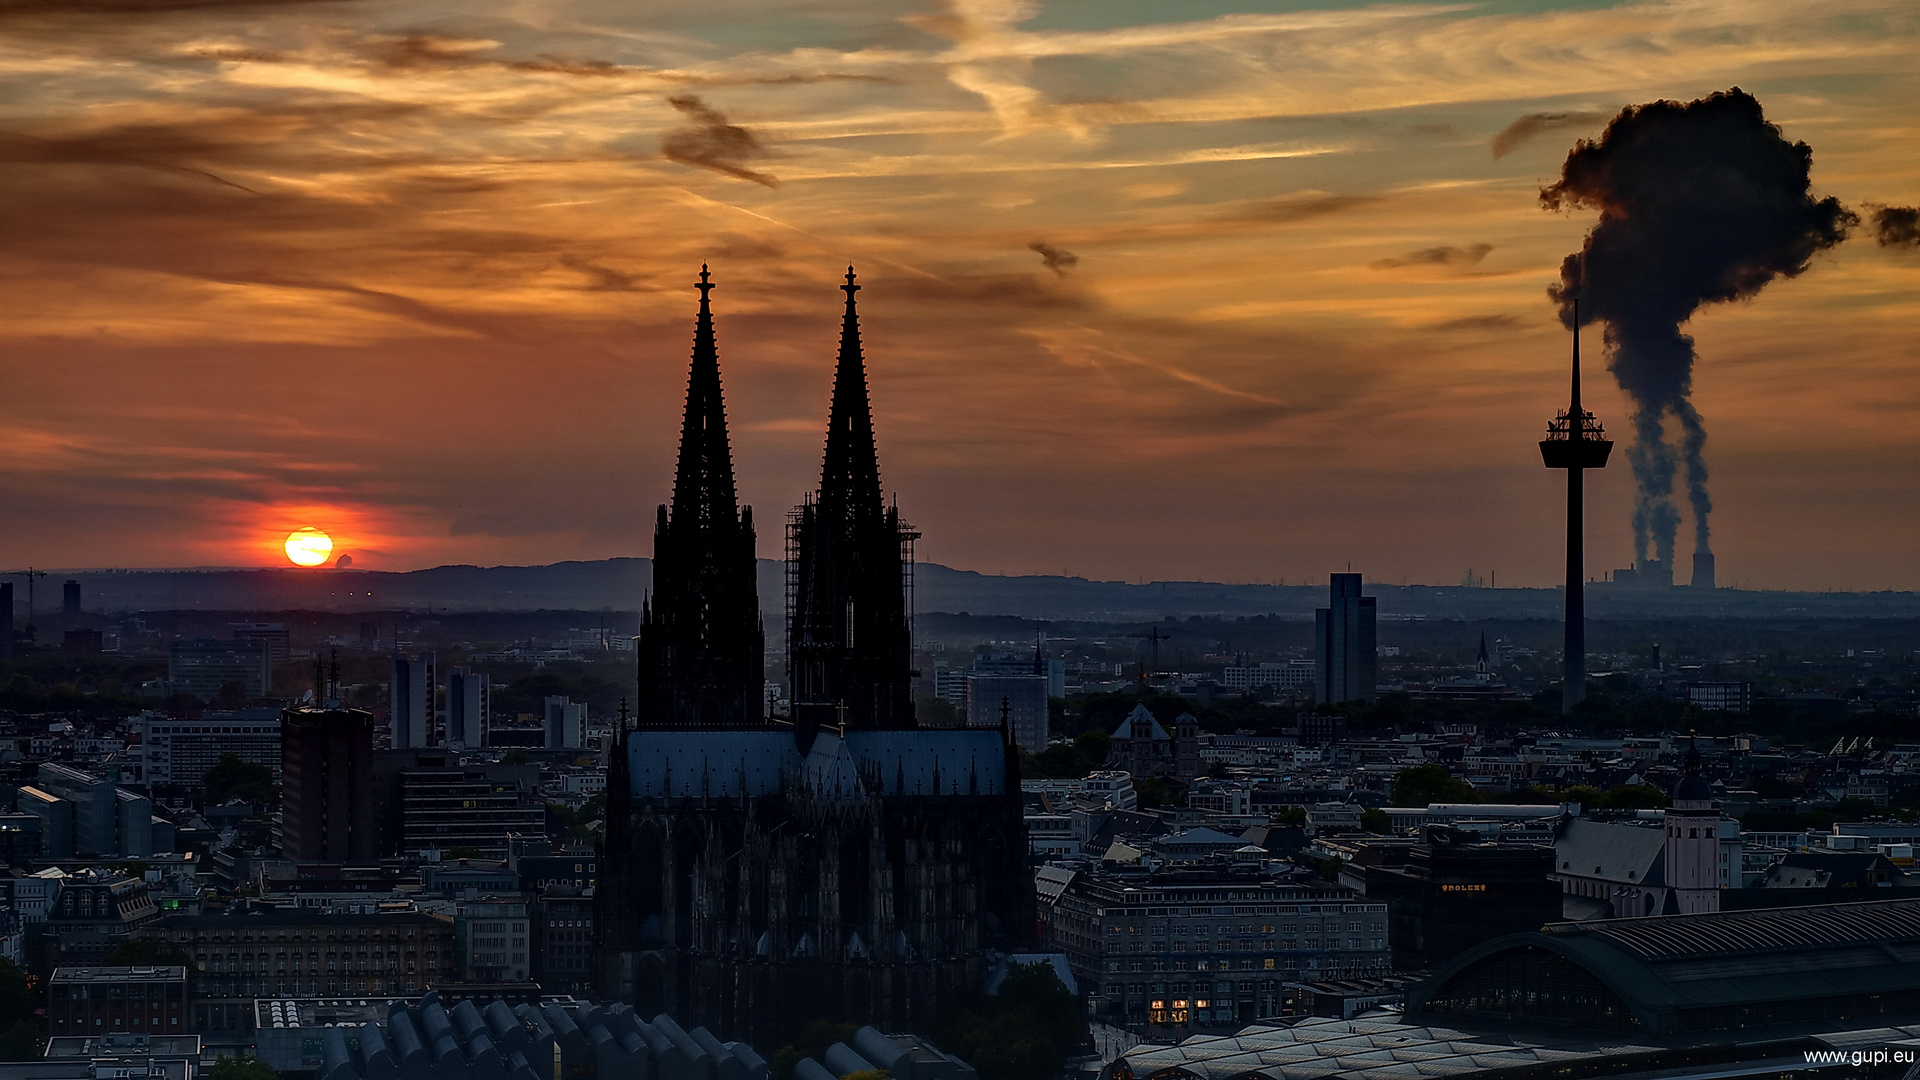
(118,974)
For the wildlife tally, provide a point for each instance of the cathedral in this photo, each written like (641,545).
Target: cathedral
(761,872)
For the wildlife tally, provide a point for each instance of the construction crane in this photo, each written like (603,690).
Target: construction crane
(29,573)
(1155,637)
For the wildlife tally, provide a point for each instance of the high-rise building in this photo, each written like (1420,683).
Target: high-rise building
(763,874)
(279,641)
(410,702)
(177,750)
(1343,640)
(204,666)
(70,598)
(447,806)
(1023,696)
(469,703)
(135,823)
(326,789)
(566,724)
(95,807)
(56,821)
(6,618)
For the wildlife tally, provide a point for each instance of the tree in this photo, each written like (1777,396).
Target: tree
(1421,785)
(1586,795)
(1094,745)
(20,1042)
(1022,1033)
(18,998)
(812,1043)
(937,713)
(1289,815)
(241,1068)
(1151,791)
(1374,820)
(233,777)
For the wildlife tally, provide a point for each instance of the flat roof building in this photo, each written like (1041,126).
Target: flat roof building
(109,1000)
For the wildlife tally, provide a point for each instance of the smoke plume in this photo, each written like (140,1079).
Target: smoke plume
(1896,226)
(708,141)
(1699,202)
(1056,260)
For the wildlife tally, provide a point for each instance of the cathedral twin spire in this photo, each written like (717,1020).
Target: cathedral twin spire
(849,640)
(703,484)
(701,648)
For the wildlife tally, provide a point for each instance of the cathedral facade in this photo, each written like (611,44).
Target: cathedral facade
(761,872)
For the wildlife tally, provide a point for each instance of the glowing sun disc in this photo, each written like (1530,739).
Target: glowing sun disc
(309,546)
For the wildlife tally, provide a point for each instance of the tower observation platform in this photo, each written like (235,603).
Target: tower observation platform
(1575,442)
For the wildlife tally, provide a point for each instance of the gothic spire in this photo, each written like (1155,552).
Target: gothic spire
(703,491)
(700,637)
(850,475)
(849,638)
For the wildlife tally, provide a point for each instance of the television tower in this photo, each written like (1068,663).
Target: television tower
(1575,442)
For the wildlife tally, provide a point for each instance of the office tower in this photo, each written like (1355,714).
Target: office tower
(135,822)
(410,702)
(326,789)
(469,703)
(1575,442)
(203,666)
(279,641)
(6,618)
(56,821)
(1025,700)
(95,807)
(70,598)
(1343,641)
(785,871)
(180,751)
(566,724)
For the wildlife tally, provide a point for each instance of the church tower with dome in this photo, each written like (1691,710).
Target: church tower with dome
(1693,842)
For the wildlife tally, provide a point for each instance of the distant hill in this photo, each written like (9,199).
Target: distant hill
(620,585)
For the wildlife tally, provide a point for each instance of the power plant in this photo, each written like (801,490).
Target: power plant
(1575,442)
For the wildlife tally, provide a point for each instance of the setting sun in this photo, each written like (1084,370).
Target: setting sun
(309,546)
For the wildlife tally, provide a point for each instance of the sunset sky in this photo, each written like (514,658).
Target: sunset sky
(1153,289)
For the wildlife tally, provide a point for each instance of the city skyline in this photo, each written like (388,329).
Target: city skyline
(1251,295)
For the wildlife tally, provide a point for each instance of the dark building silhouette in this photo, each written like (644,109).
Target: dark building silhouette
(326,789)
(1454,891)
(82,642)
(841,864)
(1343,640)
(70,598)
(1576,442)
(849,644)
(1703,570)
(701,648)
(6,618)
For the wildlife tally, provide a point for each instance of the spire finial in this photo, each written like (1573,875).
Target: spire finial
(706,286)
(850,288)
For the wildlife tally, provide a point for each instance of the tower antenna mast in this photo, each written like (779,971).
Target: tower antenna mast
(1575,442)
